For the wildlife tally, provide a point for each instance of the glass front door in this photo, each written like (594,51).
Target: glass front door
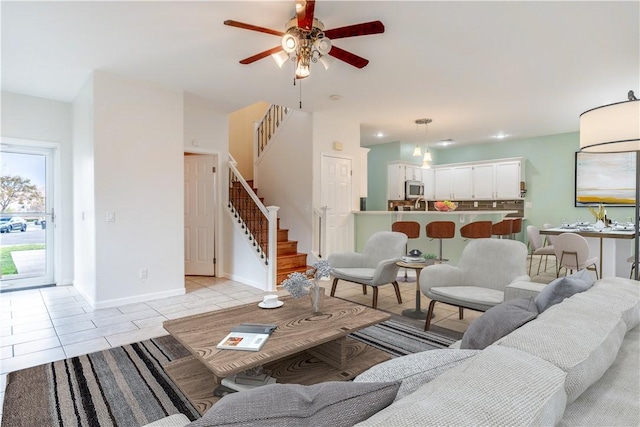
(27,216)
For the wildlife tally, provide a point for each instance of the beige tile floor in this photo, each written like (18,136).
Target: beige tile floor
(44,325)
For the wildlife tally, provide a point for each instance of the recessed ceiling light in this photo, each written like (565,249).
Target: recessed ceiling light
(379,134)
(501,135)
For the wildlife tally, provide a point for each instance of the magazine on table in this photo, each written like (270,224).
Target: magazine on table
(247,336)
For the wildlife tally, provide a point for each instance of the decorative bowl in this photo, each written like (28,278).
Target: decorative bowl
(445,206)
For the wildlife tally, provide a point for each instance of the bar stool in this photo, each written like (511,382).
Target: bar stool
(441,230)
(412,230)
(516,227)
(502,228)
(476,230)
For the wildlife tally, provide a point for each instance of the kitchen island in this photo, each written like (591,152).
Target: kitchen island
(368,222)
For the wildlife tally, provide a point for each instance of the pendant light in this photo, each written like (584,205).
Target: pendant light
(426,160)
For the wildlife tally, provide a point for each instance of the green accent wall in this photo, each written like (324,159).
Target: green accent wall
(549,174)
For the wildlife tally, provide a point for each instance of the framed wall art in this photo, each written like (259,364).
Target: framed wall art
(605,178)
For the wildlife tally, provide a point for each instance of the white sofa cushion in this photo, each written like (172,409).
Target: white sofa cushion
(415,370)
(576,337)
(613,400)
(617,294)
(499,386)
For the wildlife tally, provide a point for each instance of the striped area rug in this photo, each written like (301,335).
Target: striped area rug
(400,339)
(123,386)
(126,386)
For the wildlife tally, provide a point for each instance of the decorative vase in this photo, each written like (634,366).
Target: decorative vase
(599,225)
(317,298)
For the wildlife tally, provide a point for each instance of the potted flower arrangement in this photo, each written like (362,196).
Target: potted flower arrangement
(302,284)
(429,259)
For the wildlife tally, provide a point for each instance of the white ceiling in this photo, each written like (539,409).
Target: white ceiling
(476,68)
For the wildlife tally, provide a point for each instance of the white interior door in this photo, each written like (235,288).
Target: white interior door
(199,215)
(336,182)
(27,170)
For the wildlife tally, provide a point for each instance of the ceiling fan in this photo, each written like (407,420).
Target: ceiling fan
(305,40)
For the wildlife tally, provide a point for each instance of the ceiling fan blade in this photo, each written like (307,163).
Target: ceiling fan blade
(348,57)
(364,29)
(242,25)
(305,9)
(261,55)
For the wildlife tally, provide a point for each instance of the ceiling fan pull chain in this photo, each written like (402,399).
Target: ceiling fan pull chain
(301,94)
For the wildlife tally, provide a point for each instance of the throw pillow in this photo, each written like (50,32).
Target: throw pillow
(498,322)
(562,288)
(333,404)
(416,369)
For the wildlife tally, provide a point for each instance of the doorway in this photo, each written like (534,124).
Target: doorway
(336,196)
(27,212)
(199,214)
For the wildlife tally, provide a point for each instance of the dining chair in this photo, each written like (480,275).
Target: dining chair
(549,239)
(633,265)
(537,248)
(572,253)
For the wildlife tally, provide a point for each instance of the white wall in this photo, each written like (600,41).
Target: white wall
(84,221)
(40,119)
(138,175)
(241,136)
(285,171)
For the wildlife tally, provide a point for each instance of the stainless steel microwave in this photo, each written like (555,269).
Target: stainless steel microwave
(413,190)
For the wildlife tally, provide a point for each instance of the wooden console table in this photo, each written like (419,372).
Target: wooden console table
(304,349)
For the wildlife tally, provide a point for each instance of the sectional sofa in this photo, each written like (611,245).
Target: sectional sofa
(576,364)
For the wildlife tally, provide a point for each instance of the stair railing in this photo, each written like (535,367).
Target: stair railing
(320,231)
(268,126)
(259,222)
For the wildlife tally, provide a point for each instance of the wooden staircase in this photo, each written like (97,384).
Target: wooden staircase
(289,260)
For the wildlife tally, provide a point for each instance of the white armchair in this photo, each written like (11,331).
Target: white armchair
(375,266)
(486,268)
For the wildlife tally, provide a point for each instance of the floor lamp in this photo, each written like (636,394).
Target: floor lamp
(615,128)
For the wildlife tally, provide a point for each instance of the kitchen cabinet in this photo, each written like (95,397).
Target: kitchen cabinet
(442,177)
(462,182)
(428,179)
(395,181)
(508,177)
(453,183)
(484,181)
(488,180)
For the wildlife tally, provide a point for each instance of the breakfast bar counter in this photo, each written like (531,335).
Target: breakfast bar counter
(368,222)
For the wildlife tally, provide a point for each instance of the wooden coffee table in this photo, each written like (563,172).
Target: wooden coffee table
(304,349)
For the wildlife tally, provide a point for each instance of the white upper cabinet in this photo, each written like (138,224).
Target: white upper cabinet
(484,181)
(462,182)
(443,187)
(489,180)
(395,181)
(428,179)
(508,177)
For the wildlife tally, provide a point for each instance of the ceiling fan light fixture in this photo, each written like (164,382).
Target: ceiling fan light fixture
(302,70)
(289,43)
(322,46)
(326,61)
(280,58)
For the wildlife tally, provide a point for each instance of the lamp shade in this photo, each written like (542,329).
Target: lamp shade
(611,128)
(417,152)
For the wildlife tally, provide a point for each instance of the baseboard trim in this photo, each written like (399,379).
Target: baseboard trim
(117,302)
